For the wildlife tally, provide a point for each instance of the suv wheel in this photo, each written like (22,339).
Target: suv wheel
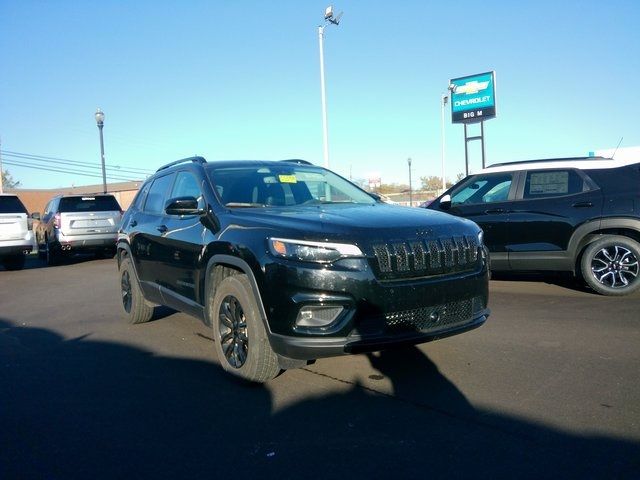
(610,265)
(240,338)
(135,307)
(14,262)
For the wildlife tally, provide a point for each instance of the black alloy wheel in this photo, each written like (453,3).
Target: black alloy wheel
(614,266)
(125,288)
(232,326)
(611,265)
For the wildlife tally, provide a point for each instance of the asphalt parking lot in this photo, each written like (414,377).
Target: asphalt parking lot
(547,388)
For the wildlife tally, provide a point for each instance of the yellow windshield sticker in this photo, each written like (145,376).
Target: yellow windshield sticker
(287,179)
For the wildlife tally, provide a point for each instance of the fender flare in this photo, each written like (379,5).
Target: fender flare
(584,234)
(243,266)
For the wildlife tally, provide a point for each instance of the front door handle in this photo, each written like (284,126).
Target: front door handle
(495,210)
(582,205)
(162,228)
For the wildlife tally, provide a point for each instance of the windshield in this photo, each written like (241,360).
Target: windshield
(283,185)
(105,203)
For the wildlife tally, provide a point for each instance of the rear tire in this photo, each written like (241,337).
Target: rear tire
(14,262)
(240,338)
(610,265)
(135,308)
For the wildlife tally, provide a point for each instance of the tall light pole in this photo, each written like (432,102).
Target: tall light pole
(443,103)
(410,187)
(100,121)
(328,19)
(1,171)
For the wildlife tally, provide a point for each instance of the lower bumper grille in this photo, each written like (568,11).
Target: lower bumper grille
(435,317)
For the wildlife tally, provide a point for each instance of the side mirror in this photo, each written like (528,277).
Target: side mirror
(35,215)
(445,202)
(183,206)
(375,196)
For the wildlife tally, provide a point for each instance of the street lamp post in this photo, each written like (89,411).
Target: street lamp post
(443,103)
(328,18)
(410,187)
(100,121)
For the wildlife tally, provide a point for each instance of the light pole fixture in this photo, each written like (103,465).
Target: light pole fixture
(328,19)
(100,121)
(410,187)
(444,100)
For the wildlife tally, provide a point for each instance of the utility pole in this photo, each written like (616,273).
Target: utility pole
(329,18)
(410,187)
(1,171)
(100,122)
(443,104)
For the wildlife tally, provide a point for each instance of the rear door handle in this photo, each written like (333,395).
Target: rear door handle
(582,205)
(162,228)
(495,210)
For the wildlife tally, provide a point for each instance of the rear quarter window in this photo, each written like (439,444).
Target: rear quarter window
(11,204)
(88,204)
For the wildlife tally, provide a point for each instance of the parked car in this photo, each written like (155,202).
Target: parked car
(78,223)
(579,215)
(288,262)
(16,232)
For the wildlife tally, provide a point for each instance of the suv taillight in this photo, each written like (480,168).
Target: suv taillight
(56,220)
(29,223)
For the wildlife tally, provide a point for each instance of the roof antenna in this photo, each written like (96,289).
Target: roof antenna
(614,152)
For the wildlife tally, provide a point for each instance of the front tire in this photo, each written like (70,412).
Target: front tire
(611,265)
(135,308)
(240,338)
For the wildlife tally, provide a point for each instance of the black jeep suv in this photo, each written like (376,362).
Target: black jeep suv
(579,215)
(289,262)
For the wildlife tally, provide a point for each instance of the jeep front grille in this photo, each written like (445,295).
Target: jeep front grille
(420,258)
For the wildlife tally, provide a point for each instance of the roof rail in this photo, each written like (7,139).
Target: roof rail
(297,161)
(196,159)
(547,160)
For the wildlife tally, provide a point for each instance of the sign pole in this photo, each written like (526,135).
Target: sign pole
(466,151)
(482,142)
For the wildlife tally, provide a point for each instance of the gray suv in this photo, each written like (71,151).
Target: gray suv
(78,223)
(16,232)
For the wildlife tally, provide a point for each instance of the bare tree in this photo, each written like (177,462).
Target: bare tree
(8,181)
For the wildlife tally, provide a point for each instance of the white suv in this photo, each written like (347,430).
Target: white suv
(16,232)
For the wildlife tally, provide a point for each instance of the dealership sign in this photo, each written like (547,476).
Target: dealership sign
(473,98)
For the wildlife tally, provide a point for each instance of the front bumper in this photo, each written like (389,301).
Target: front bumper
(319,347)
(376,314)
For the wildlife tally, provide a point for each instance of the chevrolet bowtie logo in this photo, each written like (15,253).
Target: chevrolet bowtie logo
(471,88)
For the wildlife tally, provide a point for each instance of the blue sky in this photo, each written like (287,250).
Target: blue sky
(240,79)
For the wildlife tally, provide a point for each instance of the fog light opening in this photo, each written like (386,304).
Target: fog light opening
(317,315)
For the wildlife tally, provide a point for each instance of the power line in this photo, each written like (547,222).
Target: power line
(30,160)
(72,172)
(75,162)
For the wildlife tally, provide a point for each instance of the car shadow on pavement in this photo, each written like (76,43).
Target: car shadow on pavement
(34,261)
(79,408)
(560,279)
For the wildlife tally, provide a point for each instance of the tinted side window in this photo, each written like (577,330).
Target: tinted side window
(553,183)
(158,194)
(185,185)
(11,204)
(138,202)
(483,189)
